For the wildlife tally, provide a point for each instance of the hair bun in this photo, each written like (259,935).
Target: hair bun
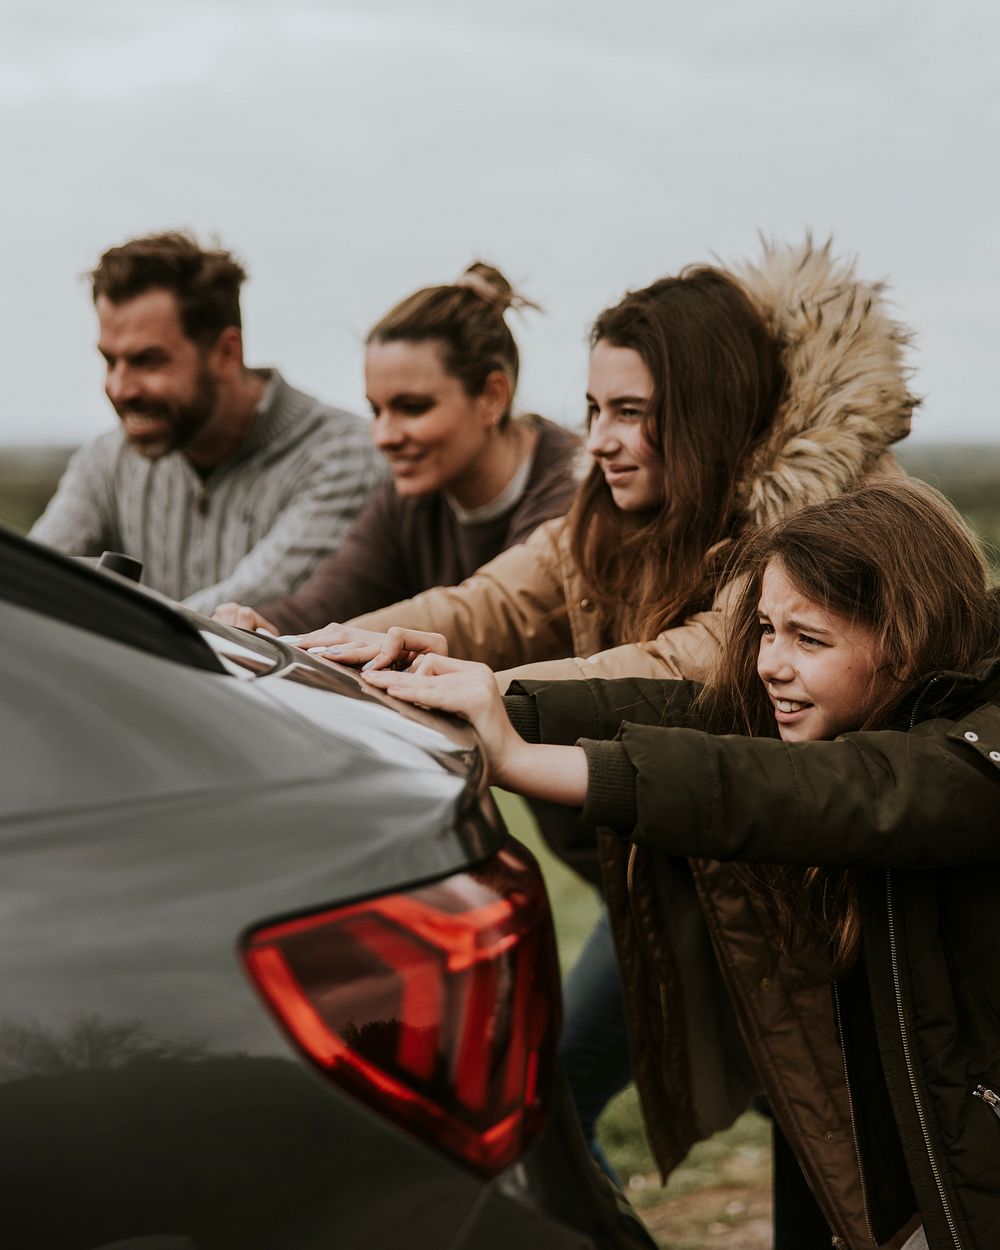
(490,284)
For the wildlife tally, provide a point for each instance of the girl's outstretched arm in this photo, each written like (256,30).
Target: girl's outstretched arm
(539,771)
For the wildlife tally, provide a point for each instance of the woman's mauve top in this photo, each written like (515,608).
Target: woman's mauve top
(400,546)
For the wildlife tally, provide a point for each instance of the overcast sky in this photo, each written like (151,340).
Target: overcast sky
(351,151)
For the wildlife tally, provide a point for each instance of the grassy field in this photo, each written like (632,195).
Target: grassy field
(720,1197)
(970,477)
(967,474)
(28,476)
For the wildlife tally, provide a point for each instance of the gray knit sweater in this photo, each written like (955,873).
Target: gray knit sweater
(252,529)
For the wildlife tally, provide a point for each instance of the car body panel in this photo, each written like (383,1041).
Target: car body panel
(152,813)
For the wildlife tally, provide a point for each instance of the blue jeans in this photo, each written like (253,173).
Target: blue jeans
(594,1044)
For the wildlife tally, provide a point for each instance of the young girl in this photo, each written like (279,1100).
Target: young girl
(857,814)
(467,479)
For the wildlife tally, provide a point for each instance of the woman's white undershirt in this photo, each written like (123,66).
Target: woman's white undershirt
(507,498)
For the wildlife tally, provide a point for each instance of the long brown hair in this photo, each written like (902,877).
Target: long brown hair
(717,382)
(466,321)
(896,557)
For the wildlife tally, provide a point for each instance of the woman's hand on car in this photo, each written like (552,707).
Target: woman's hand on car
(242,617)
(396,648)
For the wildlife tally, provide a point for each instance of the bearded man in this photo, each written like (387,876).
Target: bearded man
(226,482)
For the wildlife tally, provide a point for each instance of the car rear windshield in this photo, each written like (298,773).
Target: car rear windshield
(47,582)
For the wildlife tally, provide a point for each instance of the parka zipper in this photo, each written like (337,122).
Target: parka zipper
(989,1097)
(920,698)
(910,1070)
(850,1108)
(633,906)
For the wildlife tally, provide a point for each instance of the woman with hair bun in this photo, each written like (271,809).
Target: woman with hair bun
(467,480)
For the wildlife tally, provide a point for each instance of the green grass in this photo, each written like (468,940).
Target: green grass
(28,476)
(968,474)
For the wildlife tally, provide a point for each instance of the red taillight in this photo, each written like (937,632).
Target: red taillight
(439,1007)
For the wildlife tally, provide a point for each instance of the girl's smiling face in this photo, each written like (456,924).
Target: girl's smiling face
(820,669)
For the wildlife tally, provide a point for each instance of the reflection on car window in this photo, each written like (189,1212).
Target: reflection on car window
(247,658)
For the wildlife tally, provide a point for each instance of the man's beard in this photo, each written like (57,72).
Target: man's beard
(181,422)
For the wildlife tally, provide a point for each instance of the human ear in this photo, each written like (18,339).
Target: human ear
(227,351)
(495,397)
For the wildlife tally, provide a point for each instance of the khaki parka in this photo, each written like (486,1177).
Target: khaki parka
(917,812)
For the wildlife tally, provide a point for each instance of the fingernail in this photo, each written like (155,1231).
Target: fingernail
(283,637)
(366,667)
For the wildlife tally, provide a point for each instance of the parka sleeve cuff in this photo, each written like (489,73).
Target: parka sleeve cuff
(611,786)
(523,715)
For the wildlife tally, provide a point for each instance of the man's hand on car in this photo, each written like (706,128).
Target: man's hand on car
(242,617)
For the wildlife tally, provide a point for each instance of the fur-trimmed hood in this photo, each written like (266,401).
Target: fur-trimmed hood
(847,398)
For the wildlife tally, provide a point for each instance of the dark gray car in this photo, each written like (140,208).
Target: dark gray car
(273,976)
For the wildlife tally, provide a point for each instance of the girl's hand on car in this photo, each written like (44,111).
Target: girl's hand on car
(542,771)
(395,648)
(242,617)
(468,690)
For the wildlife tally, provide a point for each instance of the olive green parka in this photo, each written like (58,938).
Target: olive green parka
(916,811)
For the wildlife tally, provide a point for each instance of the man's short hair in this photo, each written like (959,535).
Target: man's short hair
(206,282)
